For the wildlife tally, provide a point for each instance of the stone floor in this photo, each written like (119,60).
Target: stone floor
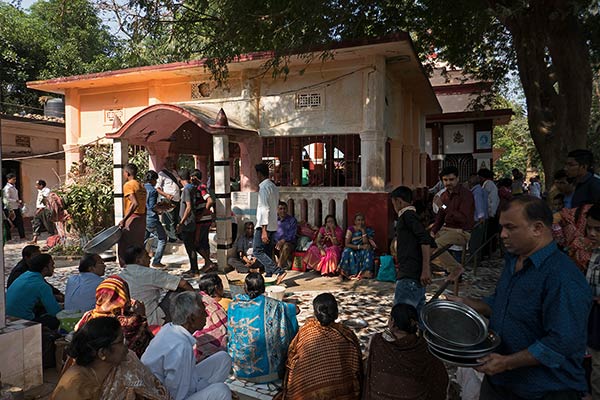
(369,300)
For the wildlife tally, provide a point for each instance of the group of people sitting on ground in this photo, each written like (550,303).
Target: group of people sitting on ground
(331,252)
(258,337)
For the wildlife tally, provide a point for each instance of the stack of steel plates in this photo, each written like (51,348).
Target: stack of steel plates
(457,334)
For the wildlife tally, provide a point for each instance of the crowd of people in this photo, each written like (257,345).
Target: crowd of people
(147,334)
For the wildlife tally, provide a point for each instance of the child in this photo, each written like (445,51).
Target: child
(593,277)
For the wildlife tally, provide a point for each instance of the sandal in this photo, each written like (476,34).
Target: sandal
(209,268)
(191,274)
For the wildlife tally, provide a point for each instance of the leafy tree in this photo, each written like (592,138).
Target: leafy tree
(55,38)
(21,57)
(551,43)
(75,40)
(515,140)
(89,196)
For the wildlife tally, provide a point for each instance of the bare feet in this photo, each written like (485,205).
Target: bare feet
(455,275)
(280,278)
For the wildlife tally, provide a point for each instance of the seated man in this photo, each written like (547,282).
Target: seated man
(28,253)
(285,237)
(29,289)
(170,355)
(454,221)
(80,294)
(244,261)
(147,284)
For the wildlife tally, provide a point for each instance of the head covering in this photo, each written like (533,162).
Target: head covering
(113,300)
(112,297)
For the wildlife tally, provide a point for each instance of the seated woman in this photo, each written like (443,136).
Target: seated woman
(112,300)
(213,337)
(324,360)
(398,358)
(358,257)
(212,285)
(324,254)
(105,369)
(568,230)
(260,331)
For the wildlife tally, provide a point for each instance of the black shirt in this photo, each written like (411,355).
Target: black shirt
(17,271)
(587,191)
(410,235)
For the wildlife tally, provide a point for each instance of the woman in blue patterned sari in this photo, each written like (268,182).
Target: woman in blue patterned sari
(358,256)
(260,331)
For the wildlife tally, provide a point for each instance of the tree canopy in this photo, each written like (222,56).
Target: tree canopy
(54,38)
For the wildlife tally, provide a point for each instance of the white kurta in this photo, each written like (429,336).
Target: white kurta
(170,356)
(268,200)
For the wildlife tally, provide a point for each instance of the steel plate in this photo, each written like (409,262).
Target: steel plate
(355,323)
(491,342)
(458,361)
(454,323)
(104,240)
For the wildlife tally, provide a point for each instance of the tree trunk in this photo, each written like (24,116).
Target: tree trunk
(555,71)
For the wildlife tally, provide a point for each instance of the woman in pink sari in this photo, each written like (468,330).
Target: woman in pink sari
(324,254)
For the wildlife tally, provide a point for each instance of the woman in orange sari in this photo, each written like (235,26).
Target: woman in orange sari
(324,359)
(323,255)
(113,300)
(105,369)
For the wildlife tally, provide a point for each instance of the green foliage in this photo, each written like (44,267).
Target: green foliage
(55,38)
(21,57)
(89,197)
(66,250)
(516,142)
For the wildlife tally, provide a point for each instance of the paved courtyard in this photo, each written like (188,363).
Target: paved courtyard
(370,300)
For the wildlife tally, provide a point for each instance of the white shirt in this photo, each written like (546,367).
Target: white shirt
(42,194)
(168,186)
(147,284)
(493,198)
(268,200)
(170,357)
(10,196)
(535,189)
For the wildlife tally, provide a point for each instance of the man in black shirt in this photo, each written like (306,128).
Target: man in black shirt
(413,251)
(579,166)
(28,253)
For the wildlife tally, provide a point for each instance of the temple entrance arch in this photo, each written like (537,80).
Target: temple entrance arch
(173,129)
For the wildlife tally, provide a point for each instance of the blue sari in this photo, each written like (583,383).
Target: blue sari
(355,261)
(260,331)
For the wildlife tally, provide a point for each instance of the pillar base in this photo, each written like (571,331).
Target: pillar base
(21,344)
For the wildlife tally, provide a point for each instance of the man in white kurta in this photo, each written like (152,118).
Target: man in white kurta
(170,356)
(266,223)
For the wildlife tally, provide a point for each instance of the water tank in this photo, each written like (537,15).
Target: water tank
(54,107)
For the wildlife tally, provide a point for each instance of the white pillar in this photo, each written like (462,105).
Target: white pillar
(372,164)
(120,158)
(221,179)
(372,137)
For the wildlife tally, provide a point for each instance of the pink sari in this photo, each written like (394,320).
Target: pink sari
(325,264)
(213,337)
